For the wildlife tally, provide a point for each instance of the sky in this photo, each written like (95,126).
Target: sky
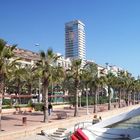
(112,28)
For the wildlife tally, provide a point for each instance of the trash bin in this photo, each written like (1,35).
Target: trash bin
(24,120)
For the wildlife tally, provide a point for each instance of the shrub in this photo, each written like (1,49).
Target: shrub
(6,107)
(6,101)
(38,106)
(90,100)
(103,99)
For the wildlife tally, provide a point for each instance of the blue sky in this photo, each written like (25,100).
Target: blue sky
(112,27)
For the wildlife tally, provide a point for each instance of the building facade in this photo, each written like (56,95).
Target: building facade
(75,40)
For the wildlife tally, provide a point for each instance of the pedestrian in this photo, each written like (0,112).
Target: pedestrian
(50,108)
(96,119)
(100,118)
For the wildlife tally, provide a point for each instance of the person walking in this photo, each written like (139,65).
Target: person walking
(50,108)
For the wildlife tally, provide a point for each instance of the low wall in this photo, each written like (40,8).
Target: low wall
(12,110)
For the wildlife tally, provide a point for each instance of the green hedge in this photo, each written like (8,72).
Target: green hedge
(90,100)
(6,101)
(101,100)
(38,106)
(6,107)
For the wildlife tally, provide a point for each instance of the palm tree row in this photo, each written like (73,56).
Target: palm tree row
(73,80)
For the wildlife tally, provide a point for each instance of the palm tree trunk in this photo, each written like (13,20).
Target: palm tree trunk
(30,91)
(76,99)
(119,98)
(128,97)
(18,91)
(76,104)
(95,102)
(134,98)
(109,98)
(45,108)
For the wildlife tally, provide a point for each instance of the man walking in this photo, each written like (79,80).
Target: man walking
(49,108)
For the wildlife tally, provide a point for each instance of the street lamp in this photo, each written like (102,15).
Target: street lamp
(39,81)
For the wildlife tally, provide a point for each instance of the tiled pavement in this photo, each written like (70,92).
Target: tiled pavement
(13,128)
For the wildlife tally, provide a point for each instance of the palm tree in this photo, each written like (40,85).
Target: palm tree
(120,81)
(137,89)
(95,89)
(5,54)
(45,70)
(68,87)
(110,83)
(133,88)
(101,81)
(30,77)
(128,83)
(89,73)
(74,76)
(18,77)
(57,79)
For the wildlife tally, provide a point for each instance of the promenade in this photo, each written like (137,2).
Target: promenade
(14,129)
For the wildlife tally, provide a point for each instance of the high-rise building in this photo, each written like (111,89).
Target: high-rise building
(75,40)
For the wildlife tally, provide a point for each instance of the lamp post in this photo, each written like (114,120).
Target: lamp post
(39,81)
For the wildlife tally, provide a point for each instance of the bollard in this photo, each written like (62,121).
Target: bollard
(24,120)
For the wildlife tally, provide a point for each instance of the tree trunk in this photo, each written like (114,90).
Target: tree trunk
(95,102)
(76,98)
(18,100)
(134,98)
(45,107)
(30,91)
(119,98)
(109,98)
(76,104)
(128,97)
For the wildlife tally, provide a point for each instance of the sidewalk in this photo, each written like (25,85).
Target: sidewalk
(13,127)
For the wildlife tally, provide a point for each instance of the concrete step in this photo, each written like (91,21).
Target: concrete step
(61,130)
(58,133)
(57,136)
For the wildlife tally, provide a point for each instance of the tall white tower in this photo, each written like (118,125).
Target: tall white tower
(75,40)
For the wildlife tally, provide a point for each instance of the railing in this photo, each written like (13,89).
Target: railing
(82,125)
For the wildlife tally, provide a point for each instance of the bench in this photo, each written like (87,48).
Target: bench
(62,115)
